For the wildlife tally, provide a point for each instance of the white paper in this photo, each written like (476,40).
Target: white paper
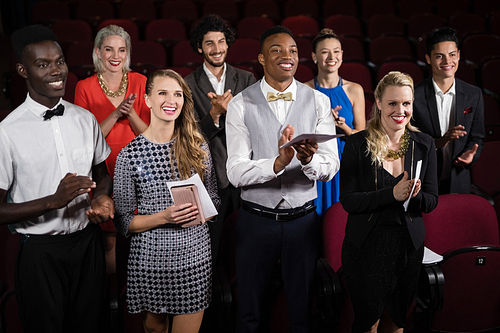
(431,257)
(417,176)
(313,136)
(207,205)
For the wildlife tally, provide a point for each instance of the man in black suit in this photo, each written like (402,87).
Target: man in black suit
(451,111)
(213,85)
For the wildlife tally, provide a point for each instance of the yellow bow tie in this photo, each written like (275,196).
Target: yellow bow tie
(272,96)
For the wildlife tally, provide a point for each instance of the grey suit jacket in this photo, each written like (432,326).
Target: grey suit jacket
(469,113)
(236,80)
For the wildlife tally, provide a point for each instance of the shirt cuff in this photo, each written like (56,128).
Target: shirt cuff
(310,169)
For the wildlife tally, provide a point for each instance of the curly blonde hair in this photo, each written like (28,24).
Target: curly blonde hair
(377,139)
(187,146)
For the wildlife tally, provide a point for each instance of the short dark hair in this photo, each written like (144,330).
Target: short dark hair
(277,29)
(210,23)
(31,34)
(440,35)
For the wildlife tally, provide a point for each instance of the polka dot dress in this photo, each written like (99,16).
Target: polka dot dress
(169,267)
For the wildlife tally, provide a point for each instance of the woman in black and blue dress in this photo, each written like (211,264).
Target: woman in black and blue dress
(170,265)
(384,243)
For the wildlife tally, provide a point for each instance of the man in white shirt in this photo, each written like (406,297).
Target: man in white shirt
(278,185)
(51,157)
(451,111)
(213,85)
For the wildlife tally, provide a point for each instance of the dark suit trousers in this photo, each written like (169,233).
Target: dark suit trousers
(260,242)
(230,202)
(60,282)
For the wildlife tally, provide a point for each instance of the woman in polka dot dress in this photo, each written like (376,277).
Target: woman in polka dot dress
(169,267)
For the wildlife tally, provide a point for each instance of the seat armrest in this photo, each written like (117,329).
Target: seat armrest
(430,288)
(329,292)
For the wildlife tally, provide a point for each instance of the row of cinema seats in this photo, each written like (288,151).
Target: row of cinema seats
(373,47)
(457,294)
(94,11)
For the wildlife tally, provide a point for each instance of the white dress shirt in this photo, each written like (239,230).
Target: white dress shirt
(446,107)
(216,84)
(243,171)
(35,154)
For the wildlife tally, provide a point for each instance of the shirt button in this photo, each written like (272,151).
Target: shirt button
(61,154)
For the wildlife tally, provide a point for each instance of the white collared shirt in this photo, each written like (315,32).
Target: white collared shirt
(243,171)
(216,84)
(36,154)
(446,107)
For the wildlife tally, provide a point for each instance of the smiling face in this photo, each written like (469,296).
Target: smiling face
(165,100)
(113,53)
(214,48)
(396,108)
(328,55)
(45,70)
(444,60)
(279,58)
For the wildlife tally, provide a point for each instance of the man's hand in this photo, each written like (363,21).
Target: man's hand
(219,104)
(69,188)
(285,154)
(305,150)
(102,209)
(452,134)
(467,157)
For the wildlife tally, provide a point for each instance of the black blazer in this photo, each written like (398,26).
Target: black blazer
(469,113)
(362,192)
(236,80)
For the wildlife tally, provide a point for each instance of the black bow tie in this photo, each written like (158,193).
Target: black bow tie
(55,112)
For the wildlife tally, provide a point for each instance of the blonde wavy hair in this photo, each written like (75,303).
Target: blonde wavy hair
(377,139)
(188,139)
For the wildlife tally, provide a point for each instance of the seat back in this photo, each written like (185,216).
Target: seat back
(334,223)
(460,220)
(344,25)
(464,229)
(484,173)
(357,72)
(471,296)
(301,26)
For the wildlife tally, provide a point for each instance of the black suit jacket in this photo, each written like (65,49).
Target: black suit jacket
(469,113)
(362,191)
(236,80)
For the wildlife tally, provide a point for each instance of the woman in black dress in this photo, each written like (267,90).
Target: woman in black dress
(384,243)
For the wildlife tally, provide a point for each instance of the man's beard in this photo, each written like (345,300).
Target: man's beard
(209,60)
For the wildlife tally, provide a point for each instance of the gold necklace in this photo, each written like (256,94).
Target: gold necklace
(109,92)
(405,142)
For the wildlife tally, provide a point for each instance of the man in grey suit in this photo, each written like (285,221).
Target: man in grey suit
(451,111)
(213,85)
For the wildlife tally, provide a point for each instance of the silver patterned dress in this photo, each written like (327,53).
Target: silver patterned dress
(169,267)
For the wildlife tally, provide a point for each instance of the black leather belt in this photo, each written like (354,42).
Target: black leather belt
(280,215)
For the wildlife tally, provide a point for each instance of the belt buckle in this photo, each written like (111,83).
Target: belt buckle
(278,219)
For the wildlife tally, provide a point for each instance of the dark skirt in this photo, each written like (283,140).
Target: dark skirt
(382,274)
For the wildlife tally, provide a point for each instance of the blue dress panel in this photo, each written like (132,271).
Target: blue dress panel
(329,192)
